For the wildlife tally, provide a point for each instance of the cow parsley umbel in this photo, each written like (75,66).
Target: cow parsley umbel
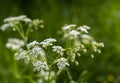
(37,51)
(77,37)
(15,44)
(40,66)
(62,62)
(48,42)
(32,44)
(58,49)
(48,59)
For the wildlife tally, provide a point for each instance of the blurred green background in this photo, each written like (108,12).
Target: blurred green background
(103,16)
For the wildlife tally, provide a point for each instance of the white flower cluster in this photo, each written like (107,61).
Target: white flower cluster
(58,49)
(19,18)
(81,40)
(69,32)
(86,39)
(84,28)
(6,26)
(72,33)
(36,51)
(15,22)
(68,27)
(32,44)
(40,66)
(48,42)
(12,22)
(62,62)
(33,52)
(22,55)
(15,44)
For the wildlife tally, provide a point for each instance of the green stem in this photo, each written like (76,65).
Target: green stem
(49,80)
(17,75)
(57,74)
(68,73)
(28,30)
(20,30)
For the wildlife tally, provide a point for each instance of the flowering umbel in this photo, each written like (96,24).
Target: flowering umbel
(62,62)
(45,56)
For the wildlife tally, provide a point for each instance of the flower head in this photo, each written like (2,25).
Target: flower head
(86,38)
(58,49)
(62,62)
(40,66)
(32,44)
(22,55)
(15,44)
(83,28)
(73,34)
(36,51)
(68,27)
(6,26)
(48,42)
(18,18)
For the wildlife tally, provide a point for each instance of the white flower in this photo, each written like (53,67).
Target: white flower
(45,44)
(13,21)
(83,28)
(58,49)
(22,55)
(6,26)
(10,19)
(36,51)
(86,27)
(40,66)
(68,27)
(62,62)
(73,34)
(48,42)
(19,18)
(32,44)
(15,44)
(27,20)
(86,38)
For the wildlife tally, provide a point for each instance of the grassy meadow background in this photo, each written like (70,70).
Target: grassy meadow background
(103,16)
